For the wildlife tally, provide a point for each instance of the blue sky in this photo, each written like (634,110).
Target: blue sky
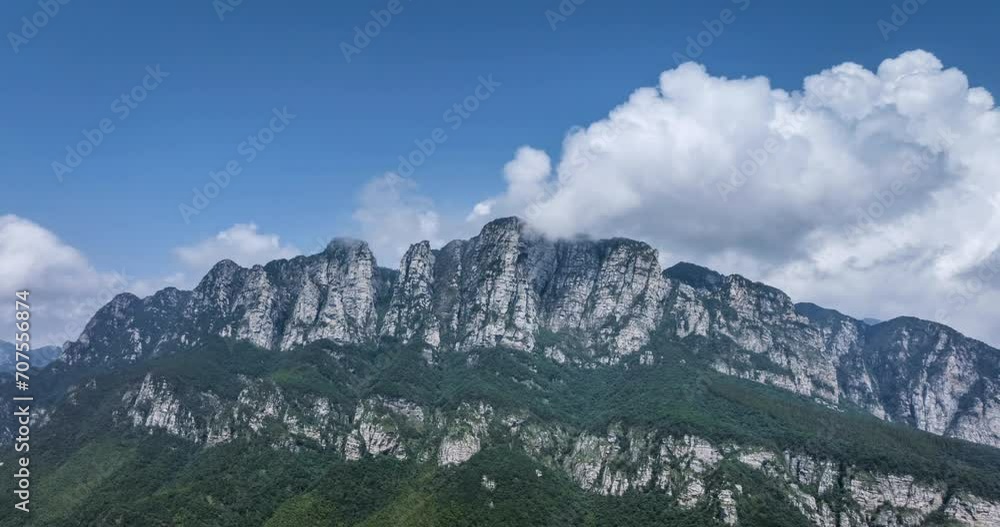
(353,119)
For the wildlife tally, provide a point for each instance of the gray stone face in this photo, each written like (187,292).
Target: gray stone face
(335,297)
(605,299)
(906,370)
(205,418)
(611,291)
(933,378)
(601,302)
(495,304)
(331,295)
(411,315)
(505,285)
(613,462)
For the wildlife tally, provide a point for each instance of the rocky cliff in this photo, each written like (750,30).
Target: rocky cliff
(334,295)
(692,472)
(590,302)
(907,370)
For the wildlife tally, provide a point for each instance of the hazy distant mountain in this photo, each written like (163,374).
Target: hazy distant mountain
(39,357)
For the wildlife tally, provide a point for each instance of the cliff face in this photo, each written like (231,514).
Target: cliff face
(504,286)
(691,471)
(333,295)
(905,370)
(601,301)
(937,380)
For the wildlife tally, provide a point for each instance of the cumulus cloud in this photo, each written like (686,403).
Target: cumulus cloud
(241,243)
(526,177)
(874,192)
(392,214)
(65,288)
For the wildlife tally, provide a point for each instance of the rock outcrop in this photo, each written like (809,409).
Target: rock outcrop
(690,470)
(333,295)
(599,301)
(906,370)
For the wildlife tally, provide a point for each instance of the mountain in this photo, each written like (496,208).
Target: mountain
(39,357)
(509,379)
(604,299)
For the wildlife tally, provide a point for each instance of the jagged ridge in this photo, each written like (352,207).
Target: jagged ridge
(601,300)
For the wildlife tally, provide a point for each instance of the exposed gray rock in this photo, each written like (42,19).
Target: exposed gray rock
(601,300)
(727,502)
(156,406)
(504,286)
(971,510)
(374,433)
(411,314)
(689,469)
(331,295)
(259,410)
(465,434)
(907,370)
(632,460)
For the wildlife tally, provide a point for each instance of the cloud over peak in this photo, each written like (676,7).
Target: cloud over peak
(392,214)
(241,243)
(873,191)
(65,289)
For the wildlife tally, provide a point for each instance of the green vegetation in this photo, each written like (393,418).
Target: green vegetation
(83,473)
(93,470)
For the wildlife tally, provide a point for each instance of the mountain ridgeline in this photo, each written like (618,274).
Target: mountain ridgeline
(510,379)
(606,299)
(40,356)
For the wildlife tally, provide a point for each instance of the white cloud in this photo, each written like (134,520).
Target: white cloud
(873,192)
(526,177)
(65,288)
(241,243)
(868,191)
(143,287)
(393,215)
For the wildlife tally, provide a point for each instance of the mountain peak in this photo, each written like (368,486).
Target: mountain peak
(506,221)
(816,312)
(694,275)
(224,267)
(510,287)
(507,224)
(345,244)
